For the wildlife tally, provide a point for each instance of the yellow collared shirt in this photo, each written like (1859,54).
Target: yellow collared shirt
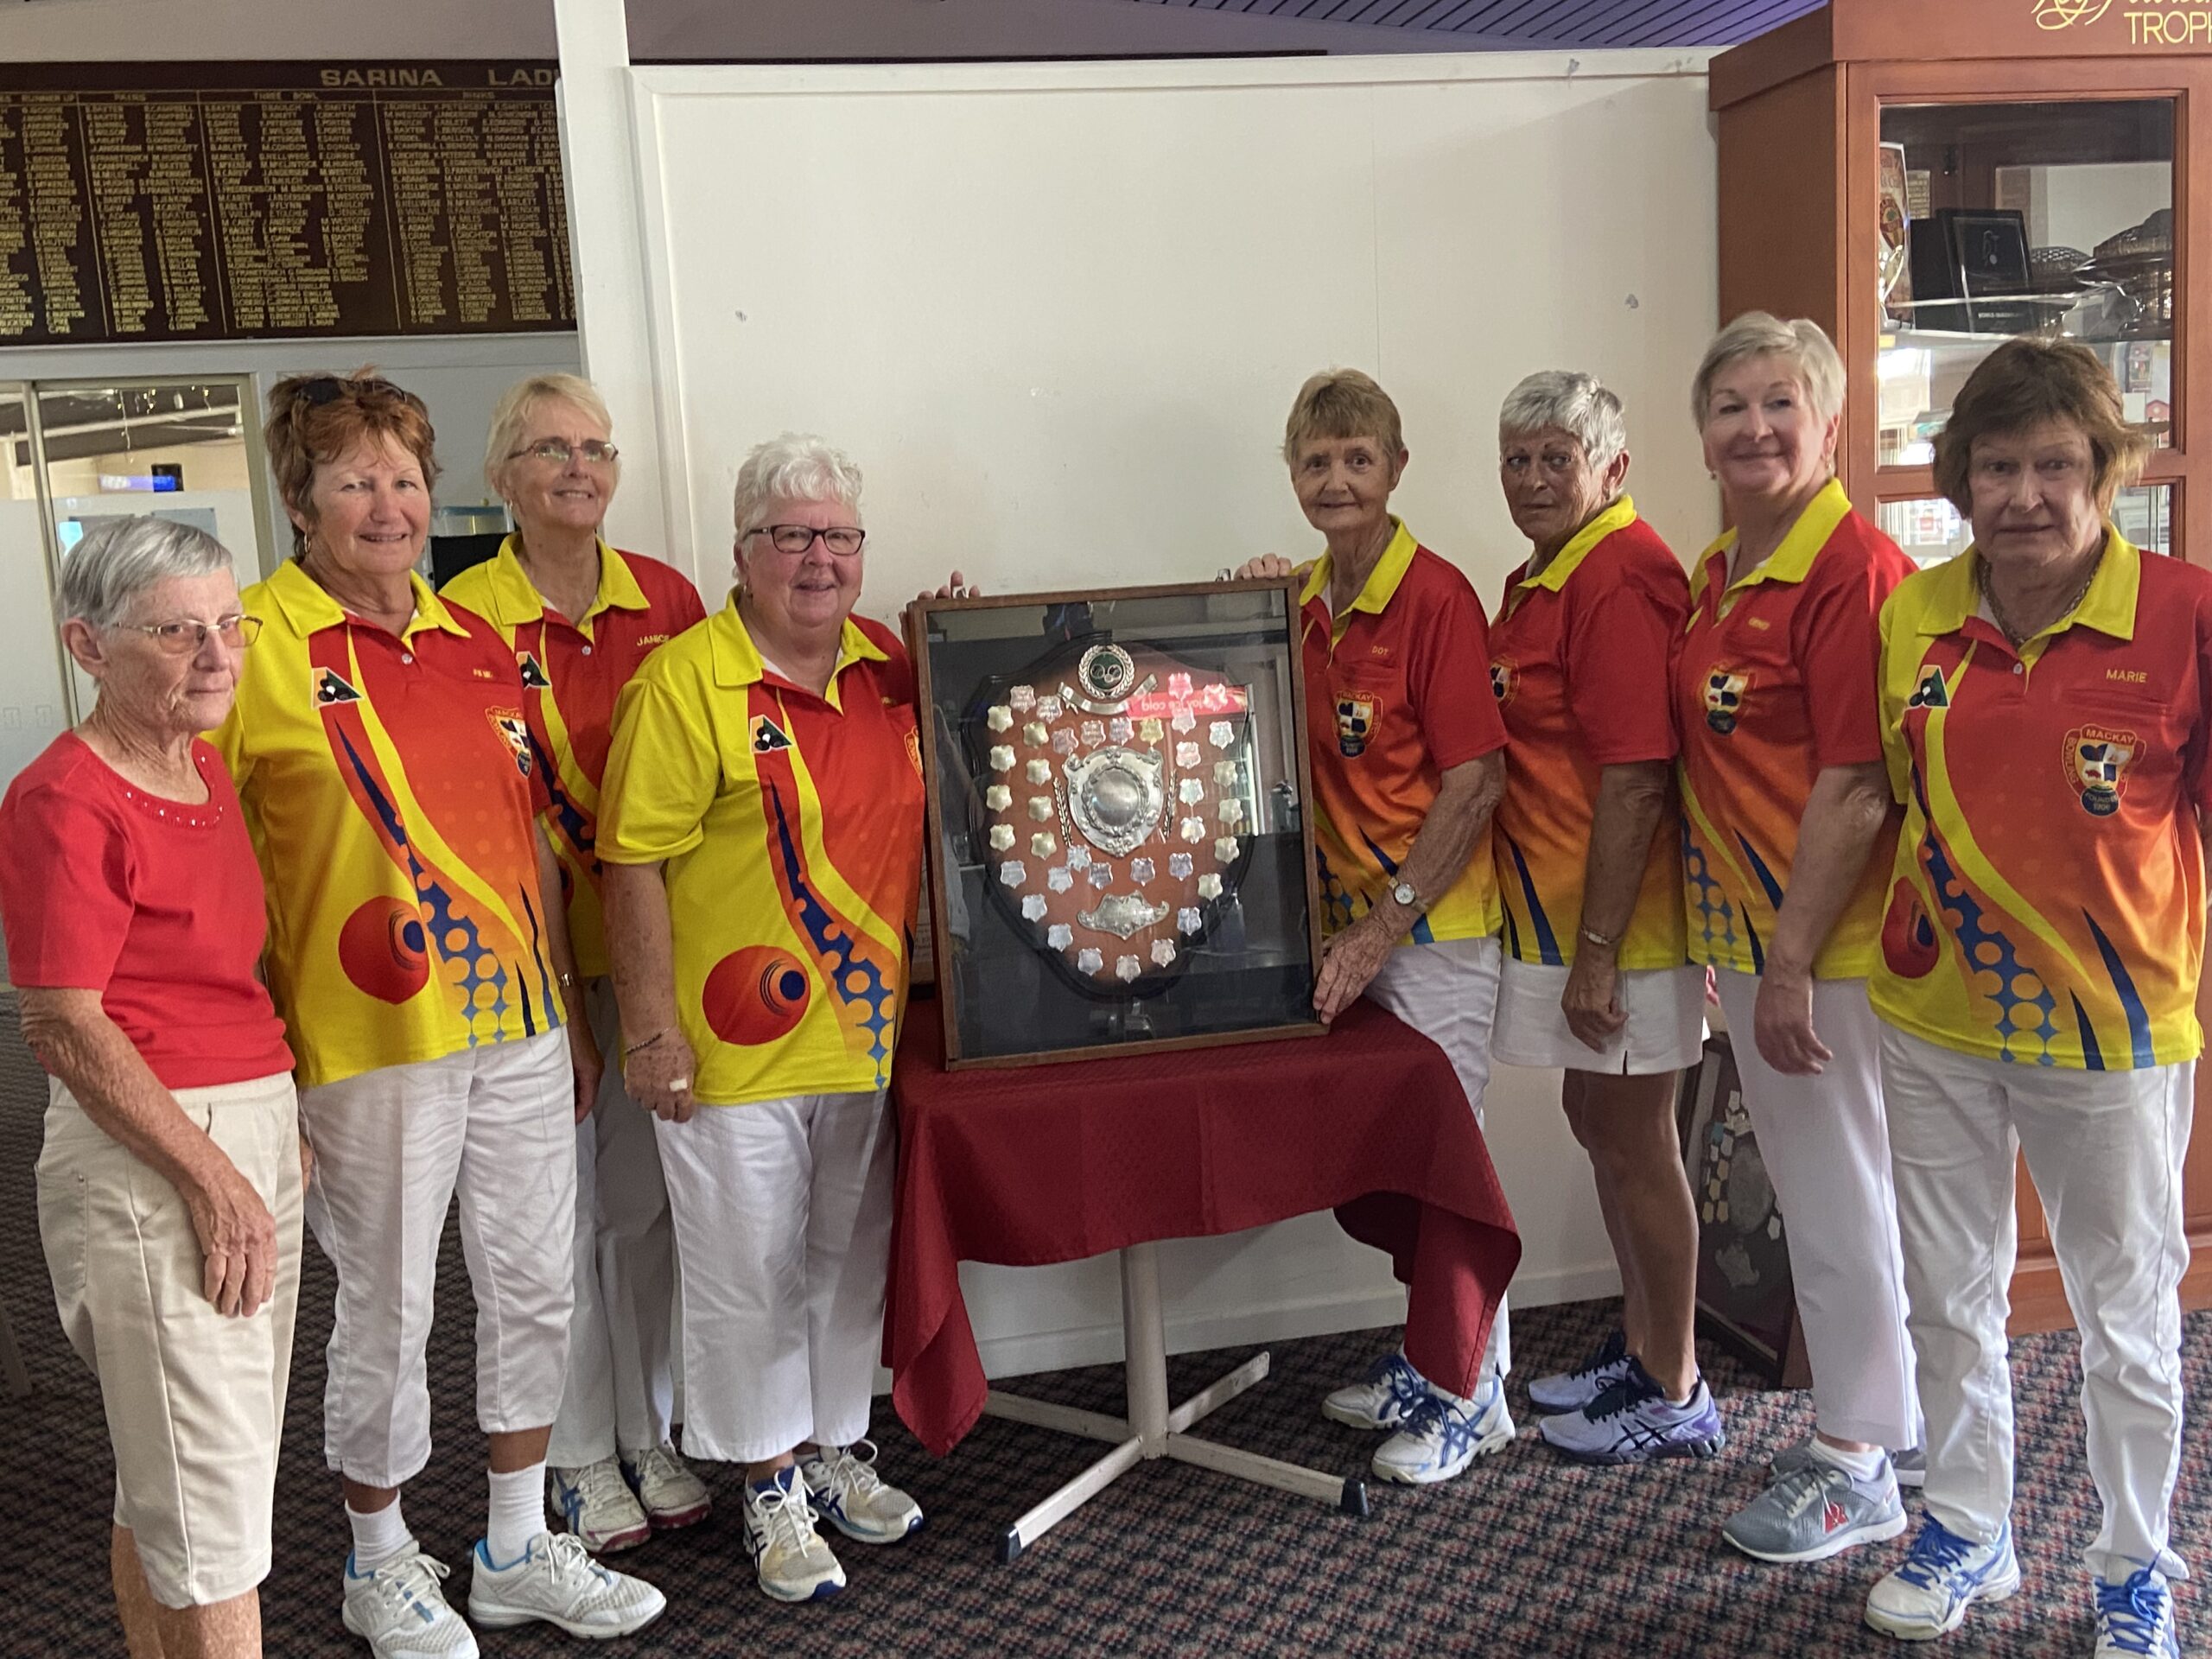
(572,674)
(390,785)
(789,830)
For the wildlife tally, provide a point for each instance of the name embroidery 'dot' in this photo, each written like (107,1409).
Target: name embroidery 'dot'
(2097,759)
(1725,690)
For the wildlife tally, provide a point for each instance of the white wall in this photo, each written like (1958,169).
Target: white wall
(1058,314)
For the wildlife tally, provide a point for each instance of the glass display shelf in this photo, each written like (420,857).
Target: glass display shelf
(2000,219)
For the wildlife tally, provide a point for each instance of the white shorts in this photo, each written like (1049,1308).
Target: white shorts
(1665,1029)
(194,1400)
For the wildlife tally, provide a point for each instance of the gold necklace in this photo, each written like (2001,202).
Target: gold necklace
(2016,636)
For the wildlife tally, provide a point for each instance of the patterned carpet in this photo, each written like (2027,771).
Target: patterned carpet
(1524,1556)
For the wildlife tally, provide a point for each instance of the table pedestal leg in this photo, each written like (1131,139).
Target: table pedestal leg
(1151,1429)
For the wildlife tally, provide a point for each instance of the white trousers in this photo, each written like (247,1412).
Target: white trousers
(1827,1149)
(2104,1148)
(392,1147)
(783,1220)
(1448,992)
(619,1390)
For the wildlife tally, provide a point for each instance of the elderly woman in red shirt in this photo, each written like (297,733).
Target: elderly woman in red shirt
(169,1184)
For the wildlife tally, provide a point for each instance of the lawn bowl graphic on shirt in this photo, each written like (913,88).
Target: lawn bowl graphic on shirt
(756,994)
(1112,809)
(1723,698)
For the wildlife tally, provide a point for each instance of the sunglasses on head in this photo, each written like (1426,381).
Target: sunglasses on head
(329,388)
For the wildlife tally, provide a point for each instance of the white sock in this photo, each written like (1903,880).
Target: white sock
(380,1536)
(1862,1465)
(517,1515)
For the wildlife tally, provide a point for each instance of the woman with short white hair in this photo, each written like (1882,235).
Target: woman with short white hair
(762,847)
(169,1184)
(1790,831)
(1587,846)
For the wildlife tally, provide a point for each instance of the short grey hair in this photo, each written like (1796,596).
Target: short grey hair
(1572,401)
(511,420)
(119,559)
(1800,343)
(796,466)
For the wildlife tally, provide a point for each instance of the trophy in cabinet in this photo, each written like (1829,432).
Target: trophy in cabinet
(1118,857)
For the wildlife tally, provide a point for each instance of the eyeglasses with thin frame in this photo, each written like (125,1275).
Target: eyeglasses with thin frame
(558,452)
(793,540)
(185,636)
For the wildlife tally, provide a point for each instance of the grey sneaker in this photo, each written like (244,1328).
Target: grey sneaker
(1815,1511)
(1911,1467)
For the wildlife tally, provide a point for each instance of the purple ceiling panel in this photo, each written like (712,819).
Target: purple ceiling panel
(1459,24)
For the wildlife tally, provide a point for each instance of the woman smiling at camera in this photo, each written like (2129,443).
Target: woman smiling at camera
(2047,710)
(1787,831)
(579,618)
(419,955)
(1408,756)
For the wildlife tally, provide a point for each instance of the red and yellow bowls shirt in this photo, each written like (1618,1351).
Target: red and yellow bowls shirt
(572,674)
(1579,662)
(790,825)
(1774,683)
(2047,903)
(390,785)
(1397,693)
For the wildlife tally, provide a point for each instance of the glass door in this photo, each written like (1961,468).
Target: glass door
(34,696)
(180,449)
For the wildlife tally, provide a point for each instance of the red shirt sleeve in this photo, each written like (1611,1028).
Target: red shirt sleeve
(64,891)
(1447,676)
(1620,644)
(1836,640)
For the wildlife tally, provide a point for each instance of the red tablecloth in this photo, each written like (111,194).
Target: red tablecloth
(1052,1163)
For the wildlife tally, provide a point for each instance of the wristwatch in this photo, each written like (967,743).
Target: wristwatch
(1404,893)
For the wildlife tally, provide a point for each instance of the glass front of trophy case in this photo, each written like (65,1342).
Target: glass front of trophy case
(1119,849)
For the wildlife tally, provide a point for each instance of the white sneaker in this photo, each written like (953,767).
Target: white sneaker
(842,1483)
(557,1583)
(598,1505)
(668,1493)
(1943,1576)
(401,1611)
(1443,1435)
(793,1562)
(1390,1392)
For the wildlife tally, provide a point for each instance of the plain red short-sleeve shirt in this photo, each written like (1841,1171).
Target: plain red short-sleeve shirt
(156,905)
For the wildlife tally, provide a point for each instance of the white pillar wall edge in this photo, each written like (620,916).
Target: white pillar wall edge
(614,321)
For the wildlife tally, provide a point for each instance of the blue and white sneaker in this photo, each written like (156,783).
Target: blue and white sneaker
(792,1562)
(1391,1392)
(1565,1391)
(1443,1434)
(2136,1616)
(1633,1421)
(1943,1576)
(843,1485)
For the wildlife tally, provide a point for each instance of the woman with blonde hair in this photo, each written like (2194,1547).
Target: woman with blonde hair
(579,618)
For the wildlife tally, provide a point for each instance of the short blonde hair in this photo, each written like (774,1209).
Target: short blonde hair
(1800,343)
(1342,404)
(511,418)
(2025,382)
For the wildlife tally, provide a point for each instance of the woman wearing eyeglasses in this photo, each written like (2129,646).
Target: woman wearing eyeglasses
(762,841)
(419,955)
(580,616)
(170,1182)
